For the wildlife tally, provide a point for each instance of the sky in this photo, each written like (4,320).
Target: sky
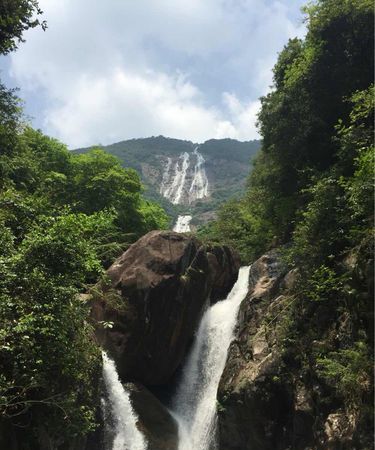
(106,71)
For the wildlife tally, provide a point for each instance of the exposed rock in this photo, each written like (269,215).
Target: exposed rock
(224,265)
(270,394)
(155,421)
(157,291)
(253,400)
(338,428)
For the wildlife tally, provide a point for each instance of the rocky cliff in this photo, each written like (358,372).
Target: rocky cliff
(271,395)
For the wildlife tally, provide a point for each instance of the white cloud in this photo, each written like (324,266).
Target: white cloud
(107,109)
(119,69)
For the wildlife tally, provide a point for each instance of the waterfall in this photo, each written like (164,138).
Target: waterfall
(194,406)
(199,185)
(174,183)
(185,181)
(166,177)
(126,434)
(182,224)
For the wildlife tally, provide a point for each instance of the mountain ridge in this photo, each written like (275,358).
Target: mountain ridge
(227,163)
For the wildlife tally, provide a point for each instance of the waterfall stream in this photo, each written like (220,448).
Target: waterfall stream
(173,184)
(182,224)
(126,434)
(194,405)
(184,182)
(199,185)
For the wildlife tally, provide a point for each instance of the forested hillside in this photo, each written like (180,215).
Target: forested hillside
(227,163)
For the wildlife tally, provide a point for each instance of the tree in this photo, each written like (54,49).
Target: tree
(17,16)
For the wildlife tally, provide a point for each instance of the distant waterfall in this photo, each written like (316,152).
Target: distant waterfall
(126,434)
(185,181)
(199,185)
(183,224)
(166,177)
(194,406)
(173,191)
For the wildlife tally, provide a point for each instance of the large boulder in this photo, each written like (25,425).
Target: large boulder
(148,310)
(224,264)
(154,419)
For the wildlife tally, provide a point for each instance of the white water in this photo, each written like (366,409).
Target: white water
(186,180)
(199,185)
(126,434)
(174,189)
(183,224)
(194,406)
(166,176)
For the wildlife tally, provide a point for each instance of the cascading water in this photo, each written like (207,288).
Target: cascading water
(126,434)
(184,182)
(194,406)
(166,177)
(174,189)
(182,224)
(199,185)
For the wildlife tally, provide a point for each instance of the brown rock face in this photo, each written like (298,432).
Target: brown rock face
(270,397)
(154,420)
(224,265)
(253,405)
(154,300)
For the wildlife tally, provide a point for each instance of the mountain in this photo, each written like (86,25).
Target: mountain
(187,178)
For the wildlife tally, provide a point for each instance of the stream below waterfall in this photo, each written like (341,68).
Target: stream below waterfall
(194,403)
(118,412)
(194,406)
(183,224)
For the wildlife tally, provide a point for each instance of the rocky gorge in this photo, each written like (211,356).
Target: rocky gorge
(267,398)
(271,394)
(146,312)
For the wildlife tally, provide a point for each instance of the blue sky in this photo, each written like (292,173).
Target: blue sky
(110,70)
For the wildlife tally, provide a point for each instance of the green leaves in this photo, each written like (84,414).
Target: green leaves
(324,284)
(348,372)
(17,16)
(63,217)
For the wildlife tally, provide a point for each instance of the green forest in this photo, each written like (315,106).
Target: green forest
(65,217)
(311,192)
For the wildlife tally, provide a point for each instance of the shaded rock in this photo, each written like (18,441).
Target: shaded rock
(146,315)
(252,397)
(155,421)
(224,266)
(271,395)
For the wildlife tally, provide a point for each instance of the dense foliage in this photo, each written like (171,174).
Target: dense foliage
(63,219)
(17,16)
(311,192)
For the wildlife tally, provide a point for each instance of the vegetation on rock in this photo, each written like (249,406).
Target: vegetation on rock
(312,188)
